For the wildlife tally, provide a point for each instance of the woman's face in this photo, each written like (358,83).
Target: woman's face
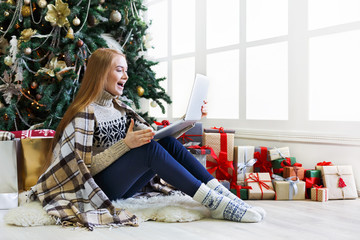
(117,76)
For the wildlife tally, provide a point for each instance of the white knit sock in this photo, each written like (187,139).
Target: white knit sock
(218,187)
(223,207)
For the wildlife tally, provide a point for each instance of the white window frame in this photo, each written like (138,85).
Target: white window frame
(298,127)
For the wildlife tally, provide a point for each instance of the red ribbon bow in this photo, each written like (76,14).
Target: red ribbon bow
(256,178)
(221,129)
(262,162)
(186,137)
(324,163)
(162,123)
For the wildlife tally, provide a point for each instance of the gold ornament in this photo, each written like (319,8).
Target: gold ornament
(102,1)
(8,61)
(26,34)
(51,66)
(27,51)
(42,3)
(6,13)
(115,16)
(76,21)
(140,91)
(27,2)
(11,2)
(153,104)
(70,34)
(1,105)
(25,11)
(57,15)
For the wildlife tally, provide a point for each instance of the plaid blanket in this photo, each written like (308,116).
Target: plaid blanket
(67,190)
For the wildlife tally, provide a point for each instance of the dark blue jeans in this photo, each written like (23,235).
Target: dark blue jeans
(166,158)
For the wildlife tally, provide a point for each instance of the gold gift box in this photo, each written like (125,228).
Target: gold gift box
(274,153)
(258,191)
(319,194)
(283,188)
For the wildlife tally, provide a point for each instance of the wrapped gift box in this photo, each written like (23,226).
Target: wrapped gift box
(290,190)
(243,162)
(262,164)
(319,194)
(262,187)
(200,153)
(6,136)
(320,165)
(39,133)
(294,171)
(340,182)
(312,177)
(240,193)
(278,164)
(192,135)
(278,153)
(222,142)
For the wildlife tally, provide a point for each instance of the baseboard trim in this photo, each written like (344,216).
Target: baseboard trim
(295,136)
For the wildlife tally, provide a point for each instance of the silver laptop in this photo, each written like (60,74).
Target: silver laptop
(193,112)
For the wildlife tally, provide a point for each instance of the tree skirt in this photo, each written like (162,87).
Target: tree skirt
(173,208)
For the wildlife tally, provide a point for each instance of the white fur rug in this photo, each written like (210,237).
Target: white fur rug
(174,208)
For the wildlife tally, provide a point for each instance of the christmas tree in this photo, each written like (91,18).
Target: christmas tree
(44,48)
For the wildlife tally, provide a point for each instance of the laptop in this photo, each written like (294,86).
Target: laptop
(193,112)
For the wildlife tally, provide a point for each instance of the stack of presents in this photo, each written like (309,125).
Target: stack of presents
(250,172)
(255,172)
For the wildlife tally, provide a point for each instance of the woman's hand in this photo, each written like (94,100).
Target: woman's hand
(204,110)
(137,138)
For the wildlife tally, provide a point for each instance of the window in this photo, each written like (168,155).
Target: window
(274,65)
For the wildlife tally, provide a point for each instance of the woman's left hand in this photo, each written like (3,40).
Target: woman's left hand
(204,110)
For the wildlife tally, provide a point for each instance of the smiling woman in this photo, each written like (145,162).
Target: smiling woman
(104,151)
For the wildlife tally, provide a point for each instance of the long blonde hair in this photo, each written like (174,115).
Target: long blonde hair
(92,85)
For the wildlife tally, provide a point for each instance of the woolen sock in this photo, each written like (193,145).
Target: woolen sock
(218,187)
(222,207)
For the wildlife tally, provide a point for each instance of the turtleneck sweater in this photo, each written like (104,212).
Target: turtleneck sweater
(110,131)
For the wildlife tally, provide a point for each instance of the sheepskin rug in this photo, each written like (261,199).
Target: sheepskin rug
(173,208)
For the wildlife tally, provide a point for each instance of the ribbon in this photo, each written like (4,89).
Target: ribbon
(238,188)
(262,162)
(164,123)
(242,167)
(203,149)
(324,163)
(293,189)
(311,181)
(186,137)
(255,178)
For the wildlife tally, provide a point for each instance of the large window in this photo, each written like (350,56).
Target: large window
(274,65)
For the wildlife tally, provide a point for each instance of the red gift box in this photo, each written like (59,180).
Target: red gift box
(39,133)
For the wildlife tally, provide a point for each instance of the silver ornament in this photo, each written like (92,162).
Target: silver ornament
(115,16)
(27,2)
(27,51)
(153,104)
(42,3)
(102,1)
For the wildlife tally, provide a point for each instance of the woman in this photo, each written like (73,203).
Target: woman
(104,151)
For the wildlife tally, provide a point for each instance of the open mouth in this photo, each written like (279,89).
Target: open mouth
(121,84)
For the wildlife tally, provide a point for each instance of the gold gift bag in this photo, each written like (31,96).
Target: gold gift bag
(31,162)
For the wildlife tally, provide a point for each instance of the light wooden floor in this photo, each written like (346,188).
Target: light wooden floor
(290,220)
